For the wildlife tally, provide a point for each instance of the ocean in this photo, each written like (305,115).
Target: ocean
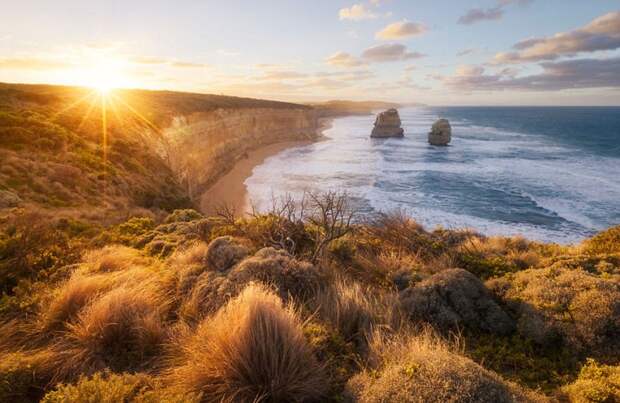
(547,173)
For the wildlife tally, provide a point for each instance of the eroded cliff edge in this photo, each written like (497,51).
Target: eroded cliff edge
(201,147)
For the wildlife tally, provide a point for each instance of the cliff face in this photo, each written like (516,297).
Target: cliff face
(202,147)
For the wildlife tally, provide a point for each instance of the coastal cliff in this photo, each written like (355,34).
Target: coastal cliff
(202,147)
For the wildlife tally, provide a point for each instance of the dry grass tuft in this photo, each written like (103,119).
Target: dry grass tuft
(356,310)
(70,298)
(422,369)
(122,330)
(113,258)
(252,350)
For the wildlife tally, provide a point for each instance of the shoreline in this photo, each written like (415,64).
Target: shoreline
(230,190)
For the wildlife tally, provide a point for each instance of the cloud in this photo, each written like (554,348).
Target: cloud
(602,33)
(282,75)
(343,59)
(474,15)
(33,63)
(401,29)
(160,61)
(569,74)
(389,53)
(478,14)
(356,12)
(189,65)
(357,75)
(465,52)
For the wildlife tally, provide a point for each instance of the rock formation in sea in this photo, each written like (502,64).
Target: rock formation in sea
(441,133)
(387,124)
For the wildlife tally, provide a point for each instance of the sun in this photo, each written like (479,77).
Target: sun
(103,73)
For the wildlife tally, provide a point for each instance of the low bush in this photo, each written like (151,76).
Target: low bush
(596,384)
(423,369)
(583,309)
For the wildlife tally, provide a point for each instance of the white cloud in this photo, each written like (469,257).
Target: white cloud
(343,59)
(356,12)
(602,33)
(401,29)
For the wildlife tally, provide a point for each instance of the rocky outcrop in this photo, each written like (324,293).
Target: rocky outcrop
(202,147)
(387,124)
(455,298)
(441,133)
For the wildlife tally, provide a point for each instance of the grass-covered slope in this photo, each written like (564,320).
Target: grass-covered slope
(70,148)
(279,308)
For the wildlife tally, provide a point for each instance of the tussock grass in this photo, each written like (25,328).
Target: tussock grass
(356,311)
(113,258)
(122,330)
(251,350)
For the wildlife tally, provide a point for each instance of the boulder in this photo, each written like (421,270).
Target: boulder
(387,124)
(455,298)
(441,133)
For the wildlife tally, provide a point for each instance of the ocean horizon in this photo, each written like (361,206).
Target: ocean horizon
(547,173)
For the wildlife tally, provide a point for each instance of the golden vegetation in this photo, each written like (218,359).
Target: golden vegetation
(114,289)
(232,312)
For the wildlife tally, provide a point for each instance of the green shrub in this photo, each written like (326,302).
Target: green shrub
(105,387)
(596,384)
(607,241)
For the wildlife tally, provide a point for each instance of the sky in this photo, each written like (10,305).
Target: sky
(486,52)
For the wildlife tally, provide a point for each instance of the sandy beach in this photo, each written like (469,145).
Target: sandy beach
(230,190)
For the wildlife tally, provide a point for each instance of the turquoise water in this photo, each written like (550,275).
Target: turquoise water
(551,174)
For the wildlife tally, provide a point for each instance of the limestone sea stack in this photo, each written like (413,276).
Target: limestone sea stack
(387,124)
(441,133)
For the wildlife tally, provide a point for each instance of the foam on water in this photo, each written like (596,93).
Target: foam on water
(496,176)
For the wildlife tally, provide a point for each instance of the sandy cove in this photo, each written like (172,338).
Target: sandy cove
(230,190)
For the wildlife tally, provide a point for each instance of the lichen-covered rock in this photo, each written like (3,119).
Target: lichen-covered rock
(387,124)
(441,133)
(455,298)
(224,252)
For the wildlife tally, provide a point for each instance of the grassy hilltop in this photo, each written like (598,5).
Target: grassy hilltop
(115,289)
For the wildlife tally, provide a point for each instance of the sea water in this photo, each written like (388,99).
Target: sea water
(548,173)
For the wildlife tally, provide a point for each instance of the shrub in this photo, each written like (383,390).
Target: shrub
(455,298)
(583,309)
(122,330)
(24,375)
(496,256)
(596,383)
(251,350)
(291,277)
(224,252)
(106,387)
(185,215)
(607,241)
(423,369)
